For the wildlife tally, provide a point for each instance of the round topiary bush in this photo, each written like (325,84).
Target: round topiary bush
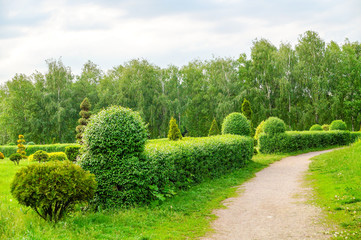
(112,144)
(52,189)
(338,125)
(237,124)
(326,127)
(316,127)
(15,158)
(57,156)
(41,156)
(274,125)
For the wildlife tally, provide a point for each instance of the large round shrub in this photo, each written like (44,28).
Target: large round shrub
(316,127)
(53,188)
(237,124)
(338,125)
(112,144)
(274,125)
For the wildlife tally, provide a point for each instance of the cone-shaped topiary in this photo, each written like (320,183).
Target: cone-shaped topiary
(274,125)
(83,121)
(237,124)
(174,133)
(316,127)
(247,110)
(21,147)
(214,130)
(338,125)
(259,130)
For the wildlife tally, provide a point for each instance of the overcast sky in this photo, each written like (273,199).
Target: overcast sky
(111,32)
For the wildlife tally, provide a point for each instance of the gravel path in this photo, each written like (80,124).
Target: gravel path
(272,206)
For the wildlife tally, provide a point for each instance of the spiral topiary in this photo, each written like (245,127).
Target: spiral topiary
(237,124)
(316,127)
(338,125)
(112,144)
(274,125)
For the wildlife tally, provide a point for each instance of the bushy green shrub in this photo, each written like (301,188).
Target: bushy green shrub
(325,127)
(72,152)
(214,130)
(174,132)
(237,124)
(259,130)
(113,142)
(355,136)
(30,143)
(59,156)
(52,189)
(274,125)
(2,155)
(316,127)
(338,125)
(41,156)
(294,141)
(15,158)
(31,149)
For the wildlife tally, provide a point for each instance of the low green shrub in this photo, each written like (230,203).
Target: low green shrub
(338,125)
(316,127)
(15,158)
(294,141)
(2,155)
(40,156)
(72,152)
(59,156)
(325,127)
(52,189)
(31,149)
(237,124)
(274,125)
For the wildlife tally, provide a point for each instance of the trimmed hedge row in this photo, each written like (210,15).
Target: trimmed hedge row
(31,149)
(293,141)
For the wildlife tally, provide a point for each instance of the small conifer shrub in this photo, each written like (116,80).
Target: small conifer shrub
(15,158)
(174,132)
(259,130)
(326,127)
(214,130)
(21,147)
(83,121)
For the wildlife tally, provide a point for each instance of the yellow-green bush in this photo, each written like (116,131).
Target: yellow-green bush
(60,156)
(237,124)
(41,156)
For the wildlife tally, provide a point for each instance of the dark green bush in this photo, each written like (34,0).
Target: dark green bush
(294,141)
(237,124)
(52,189)
(72,152)
(15,158)
(113,142)
(316,127)
(274,125)
(174,132)
(57,156)
(41,156)
(338,125)
(325,127)
(355,136)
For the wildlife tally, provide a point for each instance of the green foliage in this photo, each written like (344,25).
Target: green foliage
(83,121)
(2,155)
(214,130)
(236,123)
(338,125)
(72,152)
(295,141)
(113,142)
(15,158)
(21,147)
(247,110)
(57,156)
(31,149)
(52,189)
(40,156)
(174,132)
(259,130)
(325,127)
(30,143)
(316,127)
(274,125)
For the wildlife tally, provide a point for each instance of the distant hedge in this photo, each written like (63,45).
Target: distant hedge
(294,141)
(30,149)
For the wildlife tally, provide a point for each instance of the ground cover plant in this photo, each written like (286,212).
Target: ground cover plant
(335,176)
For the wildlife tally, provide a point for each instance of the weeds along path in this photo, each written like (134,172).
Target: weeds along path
(273,205)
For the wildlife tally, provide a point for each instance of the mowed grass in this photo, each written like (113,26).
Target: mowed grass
(336,178)
(186,216)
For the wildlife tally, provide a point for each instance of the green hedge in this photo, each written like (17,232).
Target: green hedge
(30,149)
(293,141)
(179,164)
(355,136)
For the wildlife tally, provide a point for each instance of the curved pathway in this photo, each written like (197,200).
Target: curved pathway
(272,206)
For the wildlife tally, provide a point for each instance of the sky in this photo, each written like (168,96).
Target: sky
(164,32)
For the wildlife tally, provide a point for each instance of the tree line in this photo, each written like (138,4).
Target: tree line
(312,82)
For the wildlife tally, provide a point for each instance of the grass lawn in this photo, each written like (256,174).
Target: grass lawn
(336,178)
(186,216)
